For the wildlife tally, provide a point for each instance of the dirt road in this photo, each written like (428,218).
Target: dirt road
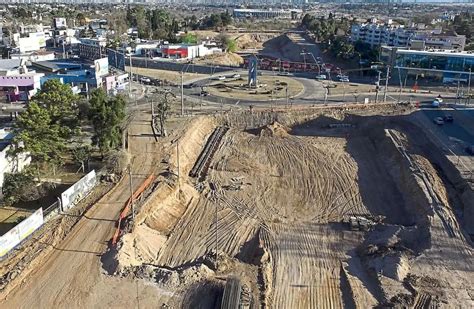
(72,276)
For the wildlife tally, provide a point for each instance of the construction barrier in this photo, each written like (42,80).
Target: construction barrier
(20,232)
(76,192)
(68,199)
(144,186)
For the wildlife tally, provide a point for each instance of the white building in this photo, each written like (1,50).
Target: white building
(377,33)
(9,164)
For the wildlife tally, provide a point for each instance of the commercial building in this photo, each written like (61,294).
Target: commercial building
(377,33)
(9,164)
(92,49)
(186,51)
(82,77)
(448,66)
(17,83)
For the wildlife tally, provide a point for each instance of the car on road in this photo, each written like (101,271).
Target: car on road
(438,120)
(437,102)
(204,93)
(448,118)
(236,76)
(321,77)
(284,73)
(344,79)
(220,77)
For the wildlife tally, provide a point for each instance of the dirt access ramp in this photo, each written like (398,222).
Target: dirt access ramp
(74,272)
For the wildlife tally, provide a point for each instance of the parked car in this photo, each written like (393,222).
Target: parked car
(344,79)
(145,80)
(448,118)
(204,93)
(284,73)
(321,77)
(438,120)
(470,149)
(220,77)
(236,76)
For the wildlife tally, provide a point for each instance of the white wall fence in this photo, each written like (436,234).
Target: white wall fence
(68,199)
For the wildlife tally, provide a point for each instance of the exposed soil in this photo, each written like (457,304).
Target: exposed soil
(276,210)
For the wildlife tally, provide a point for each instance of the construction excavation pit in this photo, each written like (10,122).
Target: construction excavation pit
(314,209)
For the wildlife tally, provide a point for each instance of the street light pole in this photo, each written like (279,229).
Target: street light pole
(386,84)
(182,94)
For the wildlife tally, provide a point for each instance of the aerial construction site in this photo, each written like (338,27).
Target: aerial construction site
(303,208)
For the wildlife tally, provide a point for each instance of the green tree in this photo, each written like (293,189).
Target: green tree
(107,115)
(15,185)
(81,155)
(228,44)
(189,38)
(49,121)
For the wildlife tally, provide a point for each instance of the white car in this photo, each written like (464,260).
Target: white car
(321,77)
(437,102)
(236,76)
(145,80)
(220,77)
(344,79)
(438,120)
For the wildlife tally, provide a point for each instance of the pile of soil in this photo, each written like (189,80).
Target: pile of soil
(224,59)
(275,129)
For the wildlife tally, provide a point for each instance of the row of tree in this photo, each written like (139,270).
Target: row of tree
(332,33)
(160,24)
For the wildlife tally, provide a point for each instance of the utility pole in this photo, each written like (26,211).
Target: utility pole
(131,191)
(177,155)
(182,94)
(377,87)
(386,84)
(287,98)
(130,79)
(401,86)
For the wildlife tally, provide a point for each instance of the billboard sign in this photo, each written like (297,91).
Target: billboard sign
(101,67)
(20,232)
(80,189)
(60,22)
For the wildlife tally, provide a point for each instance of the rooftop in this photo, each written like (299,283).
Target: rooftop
(9,64)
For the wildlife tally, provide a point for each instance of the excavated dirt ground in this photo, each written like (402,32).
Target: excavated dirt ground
(273,211)
(282,195)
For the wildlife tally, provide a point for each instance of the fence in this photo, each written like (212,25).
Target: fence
(68,199)
(21,231)
(76,192)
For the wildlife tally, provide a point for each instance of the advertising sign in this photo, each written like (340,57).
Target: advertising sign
(30,224)
(101,67)
(21,231)
(80,189)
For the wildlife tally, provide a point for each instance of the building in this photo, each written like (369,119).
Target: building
(187,51)
(377,33)
(92,49)
(447,66)
(7,163)
(267,13)
(17,83)
(82,77)
(34,56)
